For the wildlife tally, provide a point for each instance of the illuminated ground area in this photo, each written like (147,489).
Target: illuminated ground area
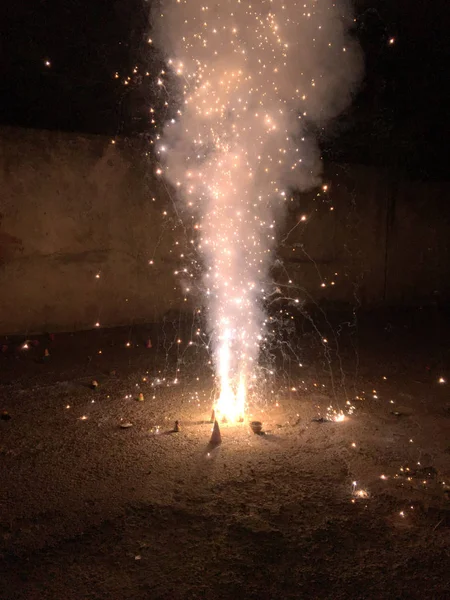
(90,510)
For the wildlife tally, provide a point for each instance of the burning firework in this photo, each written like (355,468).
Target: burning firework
(253,77)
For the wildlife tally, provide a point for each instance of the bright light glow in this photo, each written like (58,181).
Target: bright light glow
(361,494)
(338,417)
(249,73)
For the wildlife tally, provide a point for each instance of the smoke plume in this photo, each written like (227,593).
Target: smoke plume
(253,78)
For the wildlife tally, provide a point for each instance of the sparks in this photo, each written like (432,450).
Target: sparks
(245,74)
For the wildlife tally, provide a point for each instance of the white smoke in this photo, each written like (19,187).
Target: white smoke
(252,76)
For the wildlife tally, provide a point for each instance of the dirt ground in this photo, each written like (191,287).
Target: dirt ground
(310,509)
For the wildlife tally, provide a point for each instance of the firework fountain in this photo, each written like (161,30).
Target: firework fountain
(254,79)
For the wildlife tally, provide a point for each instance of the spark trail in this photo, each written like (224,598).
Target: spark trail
(253,77)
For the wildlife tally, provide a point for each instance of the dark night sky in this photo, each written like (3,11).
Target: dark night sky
(400,116)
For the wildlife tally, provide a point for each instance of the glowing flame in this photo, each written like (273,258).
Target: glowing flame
(230,405)
(339,417)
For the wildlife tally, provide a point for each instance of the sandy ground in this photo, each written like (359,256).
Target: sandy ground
(355,509)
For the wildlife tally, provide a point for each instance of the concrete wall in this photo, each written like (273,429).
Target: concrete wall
(388,240)
(343,239)
(73,206)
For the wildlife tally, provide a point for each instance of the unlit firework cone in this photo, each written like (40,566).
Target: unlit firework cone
(216,438)
(176,427)
(141,397)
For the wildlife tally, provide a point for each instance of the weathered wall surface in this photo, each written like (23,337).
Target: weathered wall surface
(73,207)
(341,245)
(386,241)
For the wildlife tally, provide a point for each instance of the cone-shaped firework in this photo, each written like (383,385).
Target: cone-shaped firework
(216,438)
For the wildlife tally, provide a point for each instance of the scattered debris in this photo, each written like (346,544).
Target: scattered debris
(126,425)
(94,384)
(402,411)
(5,416)
(321,420)
(424,473)
(361,494)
